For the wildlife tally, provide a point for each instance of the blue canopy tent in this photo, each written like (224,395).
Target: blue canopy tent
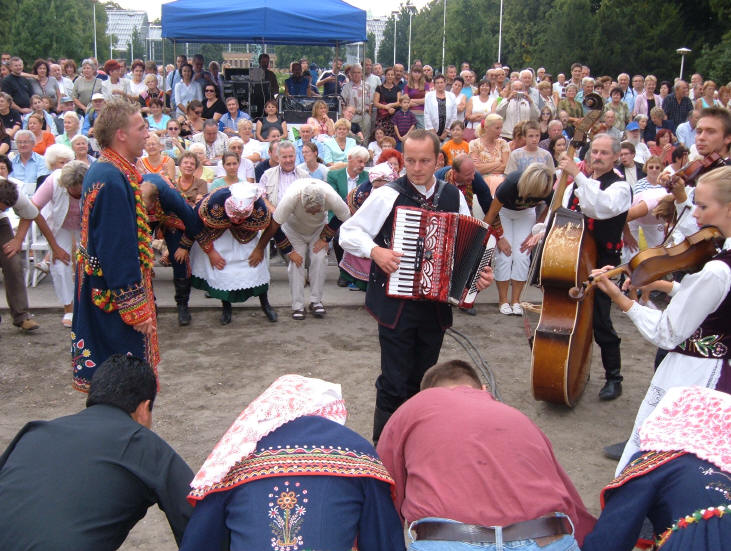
(321,23)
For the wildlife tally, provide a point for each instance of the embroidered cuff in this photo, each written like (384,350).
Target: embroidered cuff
(132,304)
(186,242)
(330,229)
(282,242)
(497,227)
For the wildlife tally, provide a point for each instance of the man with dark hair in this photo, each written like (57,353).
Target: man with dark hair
(83,481)
(269,76)
(18,86)
(508,486)
(410,332)
(114,310)
(628,167)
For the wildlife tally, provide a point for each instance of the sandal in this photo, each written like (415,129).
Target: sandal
(318,310)
(67,319)
(298,315)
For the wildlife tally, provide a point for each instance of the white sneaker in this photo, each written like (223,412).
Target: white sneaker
(517,309)
(506,309)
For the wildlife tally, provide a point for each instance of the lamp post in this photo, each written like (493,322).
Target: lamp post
(411,9)
(444,34)
(500,33)
(394,13)
(682,52)
(93,15)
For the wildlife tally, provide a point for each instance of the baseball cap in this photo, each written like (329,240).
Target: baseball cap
(632,126)
(97,96)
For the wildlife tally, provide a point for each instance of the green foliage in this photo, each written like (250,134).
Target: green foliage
(52,28)
(321,55)
(610,36)
(136,46)
(371,46)
(714,62)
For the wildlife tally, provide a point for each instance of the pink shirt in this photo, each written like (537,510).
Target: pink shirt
(457,453)
(44,194)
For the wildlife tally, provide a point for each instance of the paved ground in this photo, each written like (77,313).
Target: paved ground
(209,373)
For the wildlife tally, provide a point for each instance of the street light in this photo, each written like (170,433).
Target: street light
(93,15)
(410,7)
(444,34)
(682,52)
(394,13)
(500,33)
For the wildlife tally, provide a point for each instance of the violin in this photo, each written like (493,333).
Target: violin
(657,262)
(690,171)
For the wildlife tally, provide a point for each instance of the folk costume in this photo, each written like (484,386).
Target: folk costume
(410,332)
(604,203)
(680,479)
(113,271)
(288,475)
(171,217)
(238,280)
(353,269)
(695,328)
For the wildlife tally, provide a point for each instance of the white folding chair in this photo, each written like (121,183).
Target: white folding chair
(38,245)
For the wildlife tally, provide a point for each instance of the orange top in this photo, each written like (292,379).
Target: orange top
(46,139)
(452,149)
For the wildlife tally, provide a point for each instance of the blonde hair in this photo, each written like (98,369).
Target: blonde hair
(720,180)
(245,123)
(491,119)
(342,122)
(536,181)
(115,116)
(150,77)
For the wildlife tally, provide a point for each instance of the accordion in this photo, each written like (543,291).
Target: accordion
(443,255)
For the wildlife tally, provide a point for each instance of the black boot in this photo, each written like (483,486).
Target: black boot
(380,417)
(182,294)
(267,308)
(226,313)
(612,364)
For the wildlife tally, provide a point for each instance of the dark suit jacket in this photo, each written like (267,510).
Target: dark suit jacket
(640,173)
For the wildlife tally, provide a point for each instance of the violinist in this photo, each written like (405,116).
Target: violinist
(695,326)
(604,199)
(713,135)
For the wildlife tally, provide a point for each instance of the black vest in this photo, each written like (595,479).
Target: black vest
(607,233)
(385,309)
(713,338)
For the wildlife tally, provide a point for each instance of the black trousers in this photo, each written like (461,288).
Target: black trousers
(407,351)
(605,335)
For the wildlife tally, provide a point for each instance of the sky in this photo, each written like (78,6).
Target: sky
(376,7)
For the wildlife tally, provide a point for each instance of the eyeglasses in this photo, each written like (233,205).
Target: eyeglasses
(173,128)
(209,90)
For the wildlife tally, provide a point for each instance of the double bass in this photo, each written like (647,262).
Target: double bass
(562,341)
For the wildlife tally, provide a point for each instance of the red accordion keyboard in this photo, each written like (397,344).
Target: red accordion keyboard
(443,255)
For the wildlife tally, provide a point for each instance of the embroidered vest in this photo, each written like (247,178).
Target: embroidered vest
(606,233)
(385,309)
(713,338)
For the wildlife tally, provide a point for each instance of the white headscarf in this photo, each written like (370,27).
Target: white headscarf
(241,202)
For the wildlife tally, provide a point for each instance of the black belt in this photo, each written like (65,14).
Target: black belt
(473,533)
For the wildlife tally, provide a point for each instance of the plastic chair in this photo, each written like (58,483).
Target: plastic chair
(38,244)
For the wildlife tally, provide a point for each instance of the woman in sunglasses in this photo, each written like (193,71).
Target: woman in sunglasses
(213,107)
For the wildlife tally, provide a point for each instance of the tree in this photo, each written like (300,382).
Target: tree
(402,40)
(714,62)
(371,46)
(53,28)
(320,55)
(135,46)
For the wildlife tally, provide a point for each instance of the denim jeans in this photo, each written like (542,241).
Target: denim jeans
(566,543)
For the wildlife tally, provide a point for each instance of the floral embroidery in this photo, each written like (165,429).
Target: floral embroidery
(89,264)
(695,517)
(721,487)
(708,346)
(286,515)
(80,359)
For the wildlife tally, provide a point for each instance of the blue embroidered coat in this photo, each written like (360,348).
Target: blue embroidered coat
(312,484)
(113,286)
(664,487)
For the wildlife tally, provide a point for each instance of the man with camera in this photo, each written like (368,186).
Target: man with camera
(518,106)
